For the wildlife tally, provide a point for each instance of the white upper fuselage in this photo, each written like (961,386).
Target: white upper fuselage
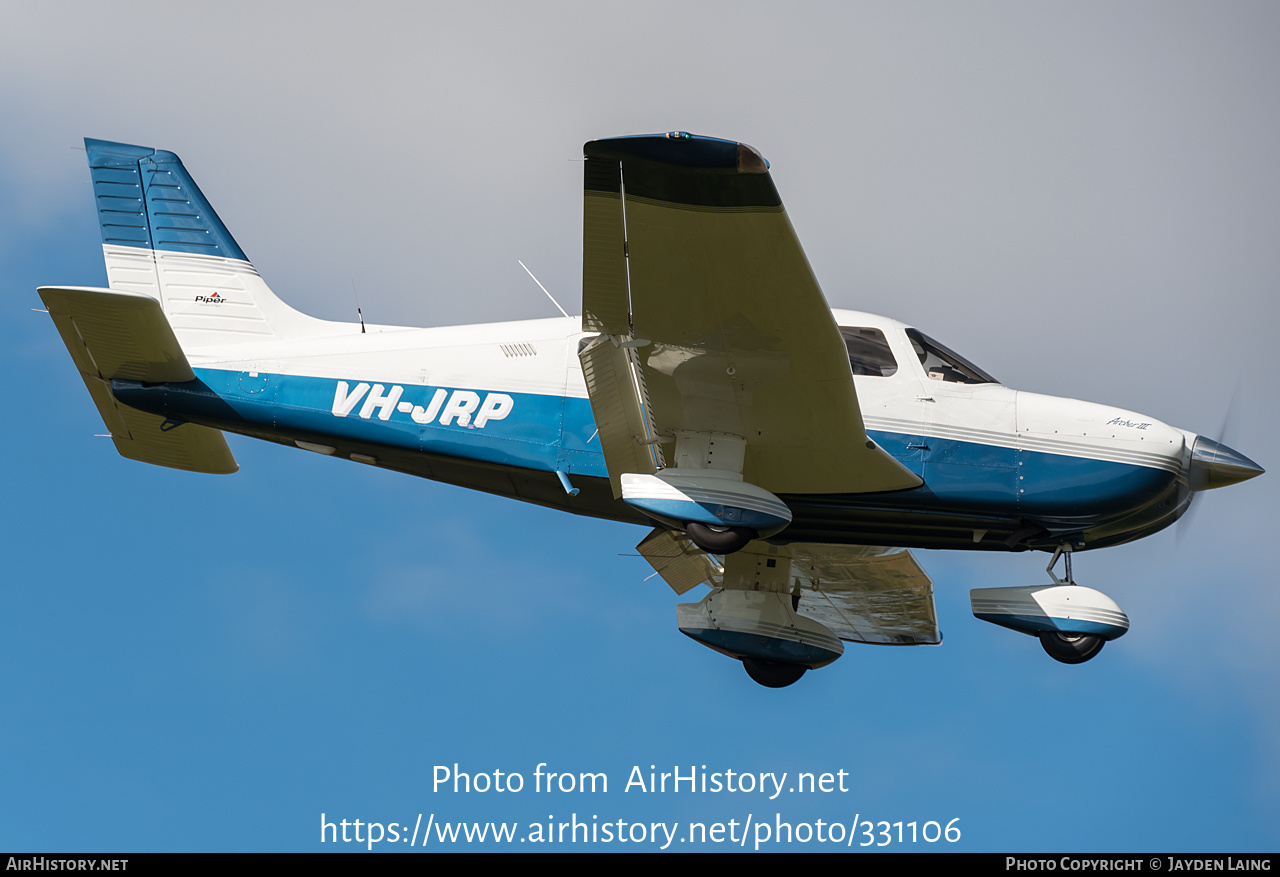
(540,357)
(991,458)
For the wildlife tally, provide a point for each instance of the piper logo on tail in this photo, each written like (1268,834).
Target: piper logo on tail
(463,407)
(214,299)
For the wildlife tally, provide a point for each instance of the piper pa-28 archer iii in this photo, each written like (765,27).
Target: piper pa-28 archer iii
(773,445)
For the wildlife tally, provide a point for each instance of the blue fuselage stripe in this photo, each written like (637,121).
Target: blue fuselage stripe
(533,435)
(551,433)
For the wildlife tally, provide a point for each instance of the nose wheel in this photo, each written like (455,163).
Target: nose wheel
(1071,648)
(1068,648)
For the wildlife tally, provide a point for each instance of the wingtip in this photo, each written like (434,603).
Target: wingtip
(681,149)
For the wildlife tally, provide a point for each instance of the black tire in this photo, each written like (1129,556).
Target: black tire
(1071,648)
(771,674)
(719,541)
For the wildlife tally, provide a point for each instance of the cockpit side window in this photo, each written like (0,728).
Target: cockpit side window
(869,352)
(942,364)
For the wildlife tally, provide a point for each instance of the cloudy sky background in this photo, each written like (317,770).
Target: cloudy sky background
(1083,198)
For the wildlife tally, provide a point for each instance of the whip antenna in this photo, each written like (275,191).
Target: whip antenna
(540,286)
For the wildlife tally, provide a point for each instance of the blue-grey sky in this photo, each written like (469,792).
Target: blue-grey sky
(1082,198)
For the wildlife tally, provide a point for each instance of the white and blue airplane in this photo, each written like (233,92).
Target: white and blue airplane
(773,445)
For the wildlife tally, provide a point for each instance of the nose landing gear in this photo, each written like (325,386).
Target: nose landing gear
(1071,622)
(1068,648)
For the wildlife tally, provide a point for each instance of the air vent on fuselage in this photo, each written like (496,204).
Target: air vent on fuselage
(522,349)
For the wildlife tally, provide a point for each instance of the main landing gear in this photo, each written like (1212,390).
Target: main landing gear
(772,674)
(719,540)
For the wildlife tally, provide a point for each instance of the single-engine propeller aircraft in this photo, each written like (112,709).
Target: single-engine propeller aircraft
(774,446)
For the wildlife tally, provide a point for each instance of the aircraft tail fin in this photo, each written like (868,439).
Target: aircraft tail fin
(162,238)
(119,335)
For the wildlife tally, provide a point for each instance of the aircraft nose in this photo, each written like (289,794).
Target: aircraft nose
(1213,464)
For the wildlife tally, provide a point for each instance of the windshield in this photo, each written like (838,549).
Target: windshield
(942,364)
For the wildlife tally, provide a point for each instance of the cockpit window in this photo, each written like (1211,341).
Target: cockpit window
(942,364)
(869,352)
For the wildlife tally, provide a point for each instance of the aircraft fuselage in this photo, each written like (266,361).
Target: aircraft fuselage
(503,408)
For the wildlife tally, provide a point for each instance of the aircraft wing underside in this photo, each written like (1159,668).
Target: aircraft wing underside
(717,359)
(691,266)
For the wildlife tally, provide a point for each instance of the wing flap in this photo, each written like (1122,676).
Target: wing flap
(879,596)
(620,405)
(112,334)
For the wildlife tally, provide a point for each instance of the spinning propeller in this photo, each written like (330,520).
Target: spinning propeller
(1213,464)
